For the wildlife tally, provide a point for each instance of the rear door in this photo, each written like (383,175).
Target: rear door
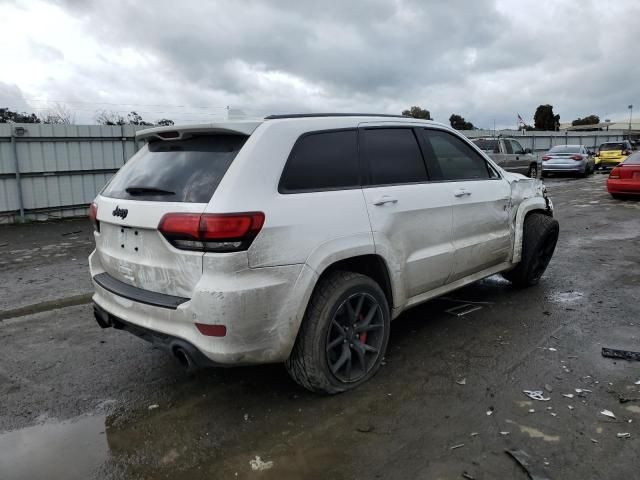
(164,176)
(479,199)
(411,218)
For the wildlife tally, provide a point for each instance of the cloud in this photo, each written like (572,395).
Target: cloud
(486,59)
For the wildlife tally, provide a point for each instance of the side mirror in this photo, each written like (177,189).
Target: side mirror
(590,152)
(528,150)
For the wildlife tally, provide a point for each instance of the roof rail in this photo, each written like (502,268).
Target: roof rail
(311,115)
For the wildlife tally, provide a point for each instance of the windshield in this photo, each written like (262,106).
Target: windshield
(565,149)
(612,146)
(176,171)
(487,145)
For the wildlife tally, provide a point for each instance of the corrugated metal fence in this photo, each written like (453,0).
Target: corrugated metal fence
(53,171)
(540,142)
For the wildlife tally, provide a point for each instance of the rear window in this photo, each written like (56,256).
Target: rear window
(322,161)
(565,149)
(176,171)
(633,159)
(612,146)
(487,145)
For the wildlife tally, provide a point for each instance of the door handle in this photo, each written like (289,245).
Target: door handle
(384,200)
(461,193)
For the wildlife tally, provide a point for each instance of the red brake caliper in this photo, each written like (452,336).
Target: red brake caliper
(362,336)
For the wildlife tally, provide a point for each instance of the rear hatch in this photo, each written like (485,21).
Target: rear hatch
(177,175)
(612,153)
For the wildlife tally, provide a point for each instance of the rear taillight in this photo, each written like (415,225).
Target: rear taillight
(576,157)
(546,157)
(93,216)
(626,152)
(615,173)
(211,232)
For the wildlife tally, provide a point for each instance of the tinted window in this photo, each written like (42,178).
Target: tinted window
(176,171)
(488,145)
(394,156)
(612,146)
(321,161)
(507,146)
(454,159)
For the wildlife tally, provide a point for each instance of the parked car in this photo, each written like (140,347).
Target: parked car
(568,159)
(611,154)
(624,179)
(298,239)
(509,154)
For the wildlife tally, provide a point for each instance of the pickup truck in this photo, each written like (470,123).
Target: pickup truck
(509,154)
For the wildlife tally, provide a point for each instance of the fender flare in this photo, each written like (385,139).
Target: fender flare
(527,206)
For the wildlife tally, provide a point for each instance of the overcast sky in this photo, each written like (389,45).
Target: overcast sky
(485,60)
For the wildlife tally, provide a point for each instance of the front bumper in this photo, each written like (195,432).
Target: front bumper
(261,309)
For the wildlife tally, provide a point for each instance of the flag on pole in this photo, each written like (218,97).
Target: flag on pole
(520,121)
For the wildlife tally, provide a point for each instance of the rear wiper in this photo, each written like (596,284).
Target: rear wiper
(147,191)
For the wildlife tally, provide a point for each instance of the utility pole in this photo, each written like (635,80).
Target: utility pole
(630,115)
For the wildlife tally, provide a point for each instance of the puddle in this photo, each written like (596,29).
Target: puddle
(54,450)
(566,297)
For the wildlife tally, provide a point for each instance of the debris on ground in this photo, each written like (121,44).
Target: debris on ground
(468,476)
(624,399)
(71,233)
(456,446)
(531,410)
(153,407)
(622,354)
(608,413)
(365,429)
(246,417)
(568,395)
(474,434)
(462,381)
(536,395)
(490,411)
(526,462)
(637,383)
(594,440)
(569,407)
(505,433)
(548,387)
(257,465)
(461,310)
(624,435)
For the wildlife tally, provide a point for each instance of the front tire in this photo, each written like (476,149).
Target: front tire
(343,336)
(538,244)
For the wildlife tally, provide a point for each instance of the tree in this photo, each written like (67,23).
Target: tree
(417,112)
(134,118)
(104,117)
(59,115)
(544,119)
(459,123)
(588,120)
(9,116)
(164,122)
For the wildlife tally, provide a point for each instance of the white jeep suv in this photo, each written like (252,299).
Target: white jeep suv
(298,238)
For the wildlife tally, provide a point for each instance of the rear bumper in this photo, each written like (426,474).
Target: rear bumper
(261,309)
(623,187)
(574,166)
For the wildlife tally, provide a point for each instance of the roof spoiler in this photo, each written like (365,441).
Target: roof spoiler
(180,132)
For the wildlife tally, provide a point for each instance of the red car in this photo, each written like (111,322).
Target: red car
(625,178)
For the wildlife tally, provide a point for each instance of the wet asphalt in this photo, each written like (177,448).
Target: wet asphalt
(80,402)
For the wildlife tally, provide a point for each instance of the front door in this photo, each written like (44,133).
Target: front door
(479,199)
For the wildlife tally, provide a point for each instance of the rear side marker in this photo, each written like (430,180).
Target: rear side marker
(211,330)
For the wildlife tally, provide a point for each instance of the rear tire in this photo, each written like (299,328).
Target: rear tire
(343,336)
(538,244)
